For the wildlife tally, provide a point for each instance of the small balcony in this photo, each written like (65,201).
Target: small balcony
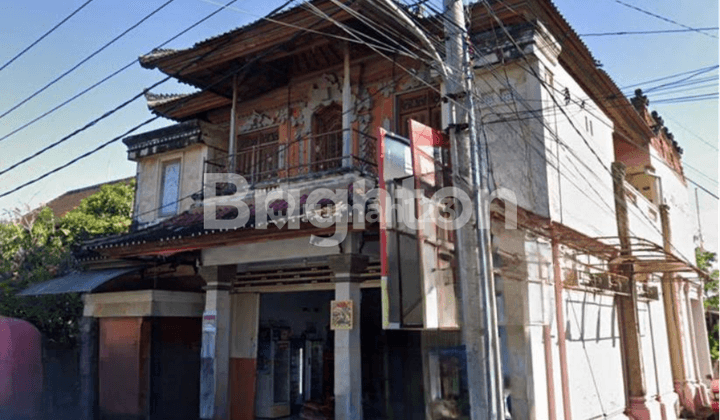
(271,161)
(643,215)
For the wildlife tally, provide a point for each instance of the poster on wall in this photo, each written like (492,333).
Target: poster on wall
(341,314)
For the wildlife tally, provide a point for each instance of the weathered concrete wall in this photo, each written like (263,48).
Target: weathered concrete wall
(594,355)
(581,145)
(656,352)
(144,303)
(149,180)
(519,141)
(560,150)
(682,217)
(594,362)
(643,216)
(525,308)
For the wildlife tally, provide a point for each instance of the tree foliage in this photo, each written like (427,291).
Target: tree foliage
(37,246)
(704,260)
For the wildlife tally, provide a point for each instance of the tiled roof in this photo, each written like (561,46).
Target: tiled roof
(191,224)
(71,199)
(156,99)
(147,60)
(172,137)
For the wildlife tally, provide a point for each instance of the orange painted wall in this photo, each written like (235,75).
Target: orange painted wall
(242,388)
(124,354)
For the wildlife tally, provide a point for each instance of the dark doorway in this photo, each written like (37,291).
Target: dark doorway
(392,366)
(175,368)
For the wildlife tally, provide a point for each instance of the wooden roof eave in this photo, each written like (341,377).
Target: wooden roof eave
(184,108)
(246,42)
(229,238)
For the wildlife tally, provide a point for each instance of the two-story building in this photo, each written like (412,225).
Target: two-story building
(229,299)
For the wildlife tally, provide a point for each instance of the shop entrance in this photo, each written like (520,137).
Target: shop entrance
(295,360)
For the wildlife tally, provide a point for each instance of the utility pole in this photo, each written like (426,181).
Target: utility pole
(697,208)
(480,332)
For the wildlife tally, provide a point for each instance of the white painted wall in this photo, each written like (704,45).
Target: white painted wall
(660,346)
(568,180)
(594,355)
(582,195)
(643,216)
(683,222)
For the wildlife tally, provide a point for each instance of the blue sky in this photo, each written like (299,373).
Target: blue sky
(628,59)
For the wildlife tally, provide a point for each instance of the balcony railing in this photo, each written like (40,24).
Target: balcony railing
(643,215)
(279,160)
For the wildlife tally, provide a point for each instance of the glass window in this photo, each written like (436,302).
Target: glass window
(170,188)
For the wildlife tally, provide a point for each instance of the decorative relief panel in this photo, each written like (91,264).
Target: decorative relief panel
(420,77)
(260,120)
(325,91)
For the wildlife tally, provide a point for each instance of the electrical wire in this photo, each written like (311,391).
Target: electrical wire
(692,133)
(148,121)
(667,31)
(122,105)
(708,68)
(110,76)
(37,41)
(83,61)
(542,82)
(567,118)
(712,194)
(655,15)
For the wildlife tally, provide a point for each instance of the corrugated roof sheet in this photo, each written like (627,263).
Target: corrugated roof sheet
(78,282)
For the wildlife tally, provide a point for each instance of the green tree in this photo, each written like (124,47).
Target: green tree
(704,260)
(37,246)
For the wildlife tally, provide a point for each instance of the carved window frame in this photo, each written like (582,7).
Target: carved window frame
(427,109)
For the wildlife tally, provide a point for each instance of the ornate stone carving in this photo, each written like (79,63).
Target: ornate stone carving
(420,77)
(386,88)
(324,92)
(259,120)
(256,121)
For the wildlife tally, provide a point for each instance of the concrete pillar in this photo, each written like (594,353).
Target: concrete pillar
(671,305)
(88,368)
(560,321)
(215,352)
(243,354)
(348,358)
(638,404)
(347,109)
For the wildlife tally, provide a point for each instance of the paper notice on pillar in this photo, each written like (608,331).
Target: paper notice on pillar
(341,314)
(209,321)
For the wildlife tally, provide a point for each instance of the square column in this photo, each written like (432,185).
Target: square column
(215,352)
(348,358)
(639,405)
(88,368)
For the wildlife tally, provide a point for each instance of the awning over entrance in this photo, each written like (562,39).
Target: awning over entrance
(77,282)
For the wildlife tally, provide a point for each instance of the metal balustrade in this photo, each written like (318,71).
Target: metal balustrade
(283,160)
